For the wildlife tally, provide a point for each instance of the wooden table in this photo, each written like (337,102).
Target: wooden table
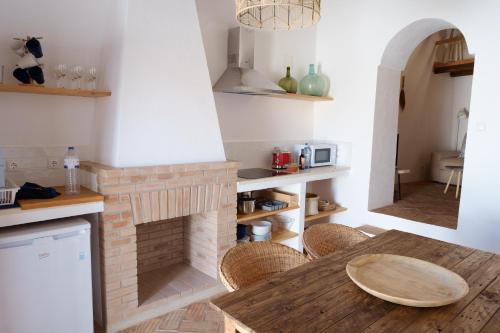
(320,297)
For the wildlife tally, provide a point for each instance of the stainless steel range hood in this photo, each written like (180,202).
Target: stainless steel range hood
(240,77)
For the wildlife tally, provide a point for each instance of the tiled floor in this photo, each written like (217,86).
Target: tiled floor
(425,202)
(195,318)
(172,281)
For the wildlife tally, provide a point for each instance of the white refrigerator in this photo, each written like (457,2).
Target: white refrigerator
(45,278)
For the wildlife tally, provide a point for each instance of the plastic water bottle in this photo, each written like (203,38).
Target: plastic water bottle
(307,155)
(72,167)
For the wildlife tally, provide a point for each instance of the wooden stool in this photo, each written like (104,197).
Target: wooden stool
(452,169)
(400,172)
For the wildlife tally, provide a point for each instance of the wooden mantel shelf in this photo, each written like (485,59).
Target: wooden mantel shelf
(42,90)
(455,68)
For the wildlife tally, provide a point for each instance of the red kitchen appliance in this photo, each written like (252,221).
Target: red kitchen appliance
(281,158)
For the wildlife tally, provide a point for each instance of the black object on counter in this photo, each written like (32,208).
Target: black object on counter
(35,191)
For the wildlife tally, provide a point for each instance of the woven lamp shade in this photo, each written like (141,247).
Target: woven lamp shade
(278,14)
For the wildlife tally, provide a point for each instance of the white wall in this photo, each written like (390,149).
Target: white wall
(462,87)
(352,37)
(428,123)
(105,131)
(35,128)
(249,121)
(164,111)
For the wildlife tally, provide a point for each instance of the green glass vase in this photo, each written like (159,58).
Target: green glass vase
(288,83)
(312,84)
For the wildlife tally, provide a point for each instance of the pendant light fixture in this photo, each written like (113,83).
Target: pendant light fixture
(278,15)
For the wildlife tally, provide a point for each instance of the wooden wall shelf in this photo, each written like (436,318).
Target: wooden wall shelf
(299,97)
(455,68)
(41,90)
(296,97)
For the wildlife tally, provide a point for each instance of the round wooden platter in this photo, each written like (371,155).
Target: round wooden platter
(406,280)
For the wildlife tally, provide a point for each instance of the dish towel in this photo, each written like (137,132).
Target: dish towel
(35,191)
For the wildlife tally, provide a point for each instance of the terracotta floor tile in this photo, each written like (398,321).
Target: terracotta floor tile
(195,318)
(196,312)
(199,326)
(172,320)
(425,202)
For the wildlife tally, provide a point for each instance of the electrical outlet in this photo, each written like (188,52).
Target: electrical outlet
(53,164)
(12,165)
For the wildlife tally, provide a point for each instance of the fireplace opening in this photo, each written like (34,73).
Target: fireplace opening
(176,257)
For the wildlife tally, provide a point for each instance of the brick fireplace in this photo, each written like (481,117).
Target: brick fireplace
(161,235)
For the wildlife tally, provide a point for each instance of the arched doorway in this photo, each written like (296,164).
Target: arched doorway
(387,107)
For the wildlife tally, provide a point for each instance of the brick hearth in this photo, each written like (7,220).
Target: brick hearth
(160,223)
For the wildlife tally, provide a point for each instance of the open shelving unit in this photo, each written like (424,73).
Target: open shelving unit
(277,236)
(293,190)
(42,90)
(293,209)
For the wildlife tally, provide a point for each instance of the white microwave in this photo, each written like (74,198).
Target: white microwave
(322,154)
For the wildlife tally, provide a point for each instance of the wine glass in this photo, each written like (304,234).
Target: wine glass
(92,78)
(76,77)
(60,72)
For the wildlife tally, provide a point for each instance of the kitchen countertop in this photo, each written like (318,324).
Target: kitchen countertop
(87,202)
(302,176)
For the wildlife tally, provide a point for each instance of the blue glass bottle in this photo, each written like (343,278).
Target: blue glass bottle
(312,84)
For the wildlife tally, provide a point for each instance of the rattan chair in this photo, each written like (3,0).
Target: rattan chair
(248,263)
(323,239)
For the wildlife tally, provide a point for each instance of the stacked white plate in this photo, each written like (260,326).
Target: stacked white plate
(261,231)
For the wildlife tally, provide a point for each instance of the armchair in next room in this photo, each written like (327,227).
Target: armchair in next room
(440,160)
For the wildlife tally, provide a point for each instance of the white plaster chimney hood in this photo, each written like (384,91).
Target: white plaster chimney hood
(240,77)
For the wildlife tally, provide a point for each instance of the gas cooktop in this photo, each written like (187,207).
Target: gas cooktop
(256,173)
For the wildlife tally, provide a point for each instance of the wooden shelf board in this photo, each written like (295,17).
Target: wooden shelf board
(64,199)
(300,97)
(325,213)
(281,235)
(259,214)
(42,90)
(466,65)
